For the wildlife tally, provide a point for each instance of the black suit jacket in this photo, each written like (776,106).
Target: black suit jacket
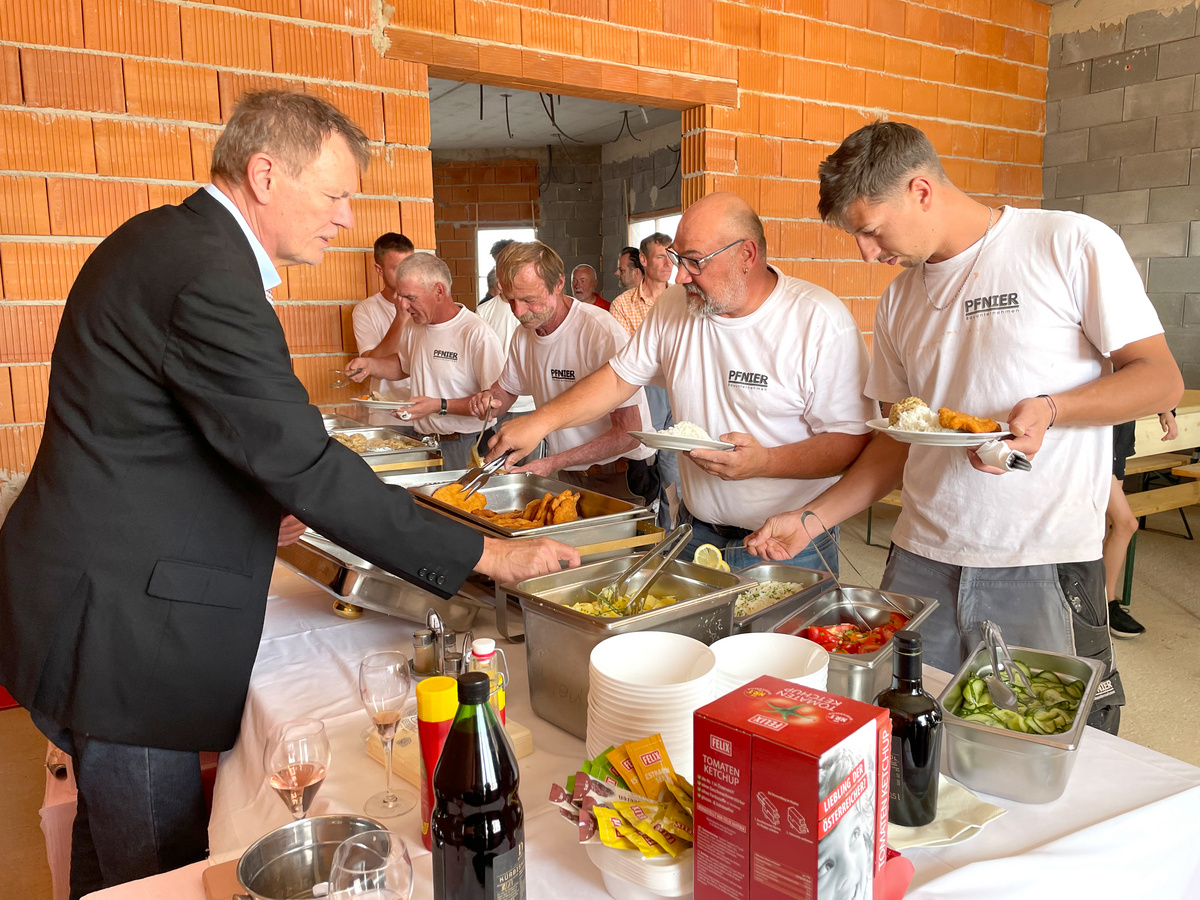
(134,566)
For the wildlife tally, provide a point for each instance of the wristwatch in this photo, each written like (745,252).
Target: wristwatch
(442,411)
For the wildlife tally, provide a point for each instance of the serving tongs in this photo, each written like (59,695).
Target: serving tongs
(863,623)
(346,380)
(473,479)
(1002,661)
(670,547)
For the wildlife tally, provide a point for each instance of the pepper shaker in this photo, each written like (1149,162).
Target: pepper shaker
(425,657)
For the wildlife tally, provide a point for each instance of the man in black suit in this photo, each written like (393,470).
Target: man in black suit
(134,566)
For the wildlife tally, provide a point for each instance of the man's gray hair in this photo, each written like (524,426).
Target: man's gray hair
(493,281)
(591,269)
(289,126)
(425,268)
(874,163)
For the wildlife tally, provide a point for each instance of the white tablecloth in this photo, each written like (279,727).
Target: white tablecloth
(1127,826)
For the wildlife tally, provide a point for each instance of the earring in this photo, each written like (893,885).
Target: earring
(745,271)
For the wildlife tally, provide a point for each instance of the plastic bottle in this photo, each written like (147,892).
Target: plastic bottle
(437,702)
(485,657)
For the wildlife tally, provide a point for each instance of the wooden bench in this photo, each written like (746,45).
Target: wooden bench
(1156,500)
(1140,465)
(1189,471)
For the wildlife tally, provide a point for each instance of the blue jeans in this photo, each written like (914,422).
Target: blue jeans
(808,558)
(139,810)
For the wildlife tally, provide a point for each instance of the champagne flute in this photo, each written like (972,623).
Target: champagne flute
(296,759)
(371,866)
(383,684)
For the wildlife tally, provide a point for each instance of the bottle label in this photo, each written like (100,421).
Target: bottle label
(508,874)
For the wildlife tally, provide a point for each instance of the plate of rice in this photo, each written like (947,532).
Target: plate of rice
(913,422)
(683,436)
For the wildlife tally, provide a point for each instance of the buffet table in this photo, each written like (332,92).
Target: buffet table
(1127,826)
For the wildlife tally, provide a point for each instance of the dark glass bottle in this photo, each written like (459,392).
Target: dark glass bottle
(477,824)
(916,736)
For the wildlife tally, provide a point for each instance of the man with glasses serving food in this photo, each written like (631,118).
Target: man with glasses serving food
(769,363)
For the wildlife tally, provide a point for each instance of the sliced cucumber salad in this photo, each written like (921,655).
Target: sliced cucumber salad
(1050,710)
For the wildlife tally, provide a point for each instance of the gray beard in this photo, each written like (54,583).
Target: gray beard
(707,307)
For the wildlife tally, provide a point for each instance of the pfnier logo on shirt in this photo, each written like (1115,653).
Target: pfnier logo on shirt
(562,374)
(445,354)
(995,303)
(754,380)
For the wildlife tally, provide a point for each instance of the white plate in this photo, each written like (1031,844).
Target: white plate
(677,442)
(383,404)
(939,438)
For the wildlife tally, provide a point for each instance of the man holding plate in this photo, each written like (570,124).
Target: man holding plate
(1006,314)
(773,365)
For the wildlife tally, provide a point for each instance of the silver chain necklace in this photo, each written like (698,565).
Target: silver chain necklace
(970,271)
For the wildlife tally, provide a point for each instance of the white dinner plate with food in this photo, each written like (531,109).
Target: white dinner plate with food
(383,404)
(678,442)
(940,438)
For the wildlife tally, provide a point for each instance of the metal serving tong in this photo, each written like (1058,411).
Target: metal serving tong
(473,479)
(866,626)
(345,381)
(1002,661)
(670,547)
(476,459)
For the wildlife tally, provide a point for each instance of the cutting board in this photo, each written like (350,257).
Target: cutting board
(406,760)
(220,882)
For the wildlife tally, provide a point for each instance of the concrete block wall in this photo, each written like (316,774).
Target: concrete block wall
(124,99)
(572,206)
(1123,144)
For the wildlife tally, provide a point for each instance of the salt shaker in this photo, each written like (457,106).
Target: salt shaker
(425,657)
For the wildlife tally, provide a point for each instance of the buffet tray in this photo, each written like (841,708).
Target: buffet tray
(419,456)
(515,491)
(334,422)
(812,582)
(559,640)
(353,580)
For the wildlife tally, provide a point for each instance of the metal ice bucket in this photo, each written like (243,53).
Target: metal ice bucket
(285,864)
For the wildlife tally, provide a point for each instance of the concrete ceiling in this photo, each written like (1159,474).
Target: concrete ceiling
(455,121)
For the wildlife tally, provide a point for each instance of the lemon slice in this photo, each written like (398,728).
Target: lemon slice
(710,556)
(725,566)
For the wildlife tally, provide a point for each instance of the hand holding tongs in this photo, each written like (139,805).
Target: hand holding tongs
(670,547)
(1002,661)
(473,479)
(346,380)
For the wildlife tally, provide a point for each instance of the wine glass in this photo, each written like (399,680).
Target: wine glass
(296,759)
(371,866)
(383,684)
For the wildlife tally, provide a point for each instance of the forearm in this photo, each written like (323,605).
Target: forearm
(821,456)
(614,442)
(1144,384)
(505,399)
(875,473)
(385,367)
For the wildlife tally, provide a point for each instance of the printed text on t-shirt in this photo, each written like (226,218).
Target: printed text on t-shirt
(755,380)
(562,374)
(445,354)
(995,303)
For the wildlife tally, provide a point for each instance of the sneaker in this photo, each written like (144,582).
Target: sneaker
(1121,624)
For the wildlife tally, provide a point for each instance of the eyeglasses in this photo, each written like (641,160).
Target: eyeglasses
(696,266)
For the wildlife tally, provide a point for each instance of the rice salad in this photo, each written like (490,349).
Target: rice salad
(762,596)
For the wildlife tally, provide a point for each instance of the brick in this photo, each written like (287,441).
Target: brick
(1022,47)
(1117,208)
(1121,139)
(865,50)
(30,392)
(165,91)
(167,194)
(406,119)
(845,86)
(491,21)
(937,64)
(6,400)
(1000,146)
(372,68)
(83,207)
(41,271)
(1195,177)
(1156,240)
(132,27)
(884,92)
(1179,58)
(365,108)
(219,38)
(886,17)
(691,18)
(23,206)
(1074,80)
(828,42)
(202,141)
(340,276)
(1054,51)
(1145,29)
(1174,275)
(1023,115)
(823,123)
(736,24)
(1098,177)
(372,217)
(18,447)
(398,172)
(56,24)
(1106,40)
(544,30)
(10,77)
(425,15)
(1191,312)
(667,52)
(608,42)
(72,81)
(1029,149)
(311,50)
(1175,204)
(712,59)
(986,109)
(989,39)
(311,327)
(355,13)
(143,150)
(1178,131)
(645,15)
(1003,77)
(801,158)
(920,98)
(1031,82)
(1123,69)
(1049,183)
(921,23)
(955,31)
(1095,109)
(807,79)
(40,142)
(27,333)
(781,117)
(849,12)
(970,71)
(231,86)
(1065,147)
(416,220)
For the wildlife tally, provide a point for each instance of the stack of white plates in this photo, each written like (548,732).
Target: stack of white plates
(743,657)
(630,876)
(644,683)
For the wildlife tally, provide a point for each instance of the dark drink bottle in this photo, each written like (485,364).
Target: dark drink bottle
(916,736)
(477,824)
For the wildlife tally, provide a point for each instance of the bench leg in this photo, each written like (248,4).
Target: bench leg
(1127,585)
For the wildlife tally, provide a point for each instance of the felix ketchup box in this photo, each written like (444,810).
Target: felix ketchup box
(791,794)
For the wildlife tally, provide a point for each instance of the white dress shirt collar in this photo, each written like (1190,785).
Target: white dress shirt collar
(266,268)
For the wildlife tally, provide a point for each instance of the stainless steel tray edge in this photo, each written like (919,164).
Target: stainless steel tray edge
(766,619)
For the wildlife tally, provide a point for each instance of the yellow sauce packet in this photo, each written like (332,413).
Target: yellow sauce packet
(642,842)
(651,762)
(624,767)
(678,821)
(648,818)
(606,822)
(682,797)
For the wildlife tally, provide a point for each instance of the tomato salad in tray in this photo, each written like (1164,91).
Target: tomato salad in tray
(848,638)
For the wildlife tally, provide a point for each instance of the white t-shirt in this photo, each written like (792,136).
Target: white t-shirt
(372,318)
(792,369)
(499,315)
(452,360)
(546,366)
(1053,293)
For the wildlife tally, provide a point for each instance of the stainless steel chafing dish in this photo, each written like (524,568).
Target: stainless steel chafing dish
(812,582)
(334,422)
(417,455)
(559,640)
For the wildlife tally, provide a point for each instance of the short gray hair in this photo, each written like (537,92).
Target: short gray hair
(873,164)
(425,268)
(290,126)
(591,269)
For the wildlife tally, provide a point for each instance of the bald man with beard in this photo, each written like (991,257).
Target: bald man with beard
(769,363)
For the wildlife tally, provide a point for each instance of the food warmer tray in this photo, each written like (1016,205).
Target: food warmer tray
(559,640)
(812,582)
(858,676)
(421,456)
(334,422)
